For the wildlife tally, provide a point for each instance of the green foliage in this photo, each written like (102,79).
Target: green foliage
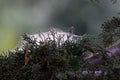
(111,31)
(51,60)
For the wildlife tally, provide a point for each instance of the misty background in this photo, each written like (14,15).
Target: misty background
(31,16)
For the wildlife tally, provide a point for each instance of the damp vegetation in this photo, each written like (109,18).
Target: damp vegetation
(59,59)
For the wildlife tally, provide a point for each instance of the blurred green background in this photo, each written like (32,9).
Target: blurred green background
(30,16)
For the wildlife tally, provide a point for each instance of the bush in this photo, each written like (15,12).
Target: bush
(51,60)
